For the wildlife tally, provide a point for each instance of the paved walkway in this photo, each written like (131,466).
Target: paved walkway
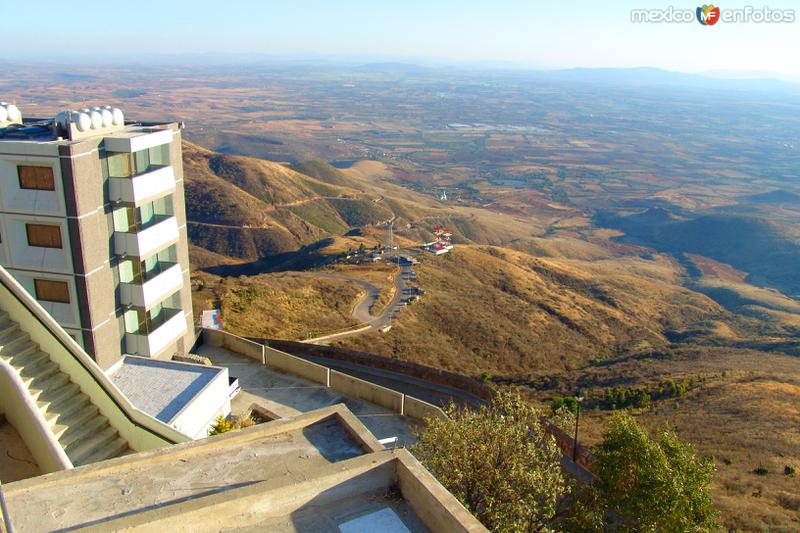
(16,461)
(287,395)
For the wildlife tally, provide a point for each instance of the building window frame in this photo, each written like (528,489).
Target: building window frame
(36,177)
(44,289)
(46,241)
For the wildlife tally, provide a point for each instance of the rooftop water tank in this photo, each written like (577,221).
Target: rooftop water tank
(119,117)
(82,121)
(97,119)
(108,118)
(11,112)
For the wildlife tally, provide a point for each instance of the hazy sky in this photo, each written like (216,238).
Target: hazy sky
(553,34)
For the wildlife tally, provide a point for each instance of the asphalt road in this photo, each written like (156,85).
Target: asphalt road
(362,310)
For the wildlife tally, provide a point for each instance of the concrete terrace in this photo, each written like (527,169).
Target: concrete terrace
(16,462)
(318,471)
(286,395)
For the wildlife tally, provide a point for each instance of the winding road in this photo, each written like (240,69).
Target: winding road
(363,309)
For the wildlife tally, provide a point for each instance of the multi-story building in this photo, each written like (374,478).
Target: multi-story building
(93,225)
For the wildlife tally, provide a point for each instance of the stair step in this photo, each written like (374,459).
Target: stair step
(17,358)
(39,371)
(14,341)
(45,399)
(46,383)
(67,434)
(75,422)
(65,408)
(7,327)
(91,444)
(30,358)
(116,448)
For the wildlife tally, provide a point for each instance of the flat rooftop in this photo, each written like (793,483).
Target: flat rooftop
(41,130)
(319,471)
(161,388)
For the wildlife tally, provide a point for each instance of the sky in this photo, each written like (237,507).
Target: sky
(545,35)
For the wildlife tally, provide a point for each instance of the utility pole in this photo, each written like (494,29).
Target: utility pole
(579,399)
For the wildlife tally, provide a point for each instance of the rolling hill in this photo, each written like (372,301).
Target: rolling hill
(496,310)
(246,209)
(243,210)
(757,246)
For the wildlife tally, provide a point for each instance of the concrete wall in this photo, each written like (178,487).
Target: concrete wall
(367,391)
(433,503)
(344,383)
(298,367)
(234,343)
(434,375)
(416,408)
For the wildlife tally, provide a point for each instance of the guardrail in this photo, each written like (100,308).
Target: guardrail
(398,402)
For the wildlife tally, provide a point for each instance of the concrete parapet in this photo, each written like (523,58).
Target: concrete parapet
(416,408)
(365,390)
(297,366)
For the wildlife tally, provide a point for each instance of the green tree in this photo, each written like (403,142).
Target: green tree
(645,484)
(498,461)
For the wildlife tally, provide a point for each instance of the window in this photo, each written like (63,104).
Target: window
(43,235)
(116,165)
(51,291)
(38,178)
(130,220)
(126,164)
(151,159)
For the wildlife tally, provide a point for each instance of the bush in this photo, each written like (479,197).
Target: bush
(498,461)
(221,425)
(645,484)
(224,425)
(569,403)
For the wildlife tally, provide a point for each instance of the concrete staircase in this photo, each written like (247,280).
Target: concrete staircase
(84,433)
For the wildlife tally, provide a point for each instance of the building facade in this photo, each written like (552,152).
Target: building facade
(93,225)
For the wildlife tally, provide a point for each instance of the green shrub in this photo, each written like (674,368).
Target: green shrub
(224,425)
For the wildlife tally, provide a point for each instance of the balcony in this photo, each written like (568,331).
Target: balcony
(163,332)
(147,239)
(143,188)
(160,282)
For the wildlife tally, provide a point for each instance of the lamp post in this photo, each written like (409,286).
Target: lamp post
(579,399)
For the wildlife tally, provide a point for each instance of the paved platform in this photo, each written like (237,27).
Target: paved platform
(16,461)
(111,489)
(286,395)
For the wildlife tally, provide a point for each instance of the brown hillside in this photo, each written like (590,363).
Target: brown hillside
(508,313)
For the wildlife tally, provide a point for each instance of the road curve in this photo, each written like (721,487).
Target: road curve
(362,311)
